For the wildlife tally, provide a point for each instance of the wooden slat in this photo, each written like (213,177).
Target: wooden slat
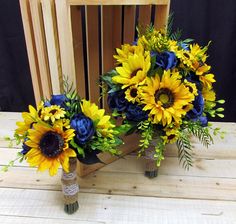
(129,24)
(5,219)
(50,26)
(76,21)
(117,26)
(144,15)
(161,15)
(30,43)
(41,48)
(66,41)
(116,209)
(107,43)
(116,183)
(93,55)
(107,37)
(118,2)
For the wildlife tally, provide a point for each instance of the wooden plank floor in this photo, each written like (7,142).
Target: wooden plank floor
(119,193)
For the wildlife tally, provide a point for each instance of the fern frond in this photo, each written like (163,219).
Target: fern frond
(170,24)
(185,150)
(203,135)
(176,35)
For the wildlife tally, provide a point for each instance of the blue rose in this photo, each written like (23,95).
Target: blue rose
(84,128)
(198,105)
(59,100)
(117,101)
(135,112)
(192,77)
(25,148)
(203,120)
(165,60)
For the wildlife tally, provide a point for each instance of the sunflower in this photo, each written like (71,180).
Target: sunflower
(52,113)
(102,122)
(127,50)
(166,98)
(133,71)
(132,94)
(49,147)
(29,118)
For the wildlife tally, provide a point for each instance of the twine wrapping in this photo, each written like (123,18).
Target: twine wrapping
(70,187)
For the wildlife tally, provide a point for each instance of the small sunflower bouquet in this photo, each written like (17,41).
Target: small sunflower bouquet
(162,87)
(60,131)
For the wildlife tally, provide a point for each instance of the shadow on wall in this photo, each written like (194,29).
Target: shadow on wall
(212,20)
(15,81)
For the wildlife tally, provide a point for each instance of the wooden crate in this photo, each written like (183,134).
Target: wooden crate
(77,38)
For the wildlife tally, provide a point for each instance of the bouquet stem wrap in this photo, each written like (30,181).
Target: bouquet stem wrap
(70,187)
(151,169)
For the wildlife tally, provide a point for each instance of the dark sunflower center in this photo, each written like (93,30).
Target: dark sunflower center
(165,96)
(53,111)
(186,55)
(171,137)
(134,92)
(190,89)
(51,144)
(134,73)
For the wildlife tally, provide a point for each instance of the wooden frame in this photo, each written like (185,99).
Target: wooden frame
(77,38)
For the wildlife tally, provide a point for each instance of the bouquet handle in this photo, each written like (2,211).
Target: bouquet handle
(70,187)
(151,169)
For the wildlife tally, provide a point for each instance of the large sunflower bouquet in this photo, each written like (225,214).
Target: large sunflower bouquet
(162,87)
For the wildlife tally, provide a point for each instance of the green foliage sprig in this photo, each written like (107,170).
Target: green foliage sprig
(146,129)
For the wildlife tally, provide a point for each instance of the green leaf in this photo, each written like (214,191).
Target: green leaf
(123,129)
(79,149)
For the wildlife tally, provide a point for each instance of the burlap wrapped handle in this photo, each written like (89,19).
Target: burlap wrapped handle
(70,187)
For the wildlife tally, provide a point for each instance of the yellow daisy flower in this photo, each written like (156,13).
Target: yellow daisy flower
(134,71)
(166,98)
(52,113)
(49,147)
(132,94)
(185,57)
(192,87)
(102,122)
(29,118)
(171,135)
